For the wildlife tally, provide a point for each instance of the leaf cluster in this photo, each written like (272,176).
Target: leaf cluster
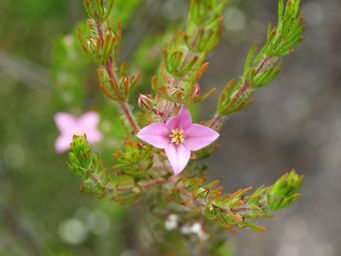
(262,66)
(125,182)
(235,211)
(101,44)
(87,165)
(134,159)
(185,55)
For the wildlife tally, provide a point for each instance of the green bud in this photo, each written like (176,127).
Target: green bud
(284,191)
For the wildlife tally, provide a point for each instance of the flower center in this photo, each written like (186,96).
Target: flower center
(177,136)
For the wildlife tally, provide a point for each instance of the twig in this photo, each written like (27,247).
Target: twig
(143,185)
(215,120)
(125,109)
(242,89)
(153,183)
(112,78)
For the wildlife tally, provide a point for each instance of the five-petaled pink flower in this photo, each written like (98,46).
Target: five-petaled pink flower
(178,136)
(70,125)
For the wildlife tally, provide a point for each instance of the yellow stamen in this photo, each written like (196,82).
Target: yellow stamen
(177,136)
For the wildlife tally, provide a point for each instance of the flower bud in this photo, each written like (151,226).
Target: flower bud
(196,90)
(284,191)
(146,102)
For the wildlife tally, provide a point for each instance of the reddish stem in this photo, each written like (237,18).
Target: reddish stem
(100,32)
(214,121)
(125,109)
(242,89)
(261,65)
(110,71)
(124,106)
(153,183)
(144,185)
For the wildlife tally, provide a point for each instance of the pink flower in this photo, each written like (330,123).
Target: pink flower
(178,137)
(69,125)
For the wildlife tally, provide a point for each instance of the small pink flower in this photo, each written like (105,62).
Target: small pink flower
(69,125)
(178,137)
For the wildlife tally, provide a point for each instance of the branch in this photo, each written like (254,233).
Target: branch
(235,211)
(101,46)
(262,67)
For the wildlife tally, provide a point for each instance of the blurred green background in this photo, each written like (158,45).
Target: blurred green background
(295,122)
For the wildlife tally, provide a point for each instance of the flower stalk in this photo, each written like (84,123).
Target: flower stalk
(125,109)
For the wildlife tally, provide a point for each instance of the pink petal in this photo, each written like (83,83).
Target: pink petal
(178,156)
(182,121)
(93,135)
(88,120)
(63,143)
(88,123)
(65,122)
(199,136)
(156,134)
